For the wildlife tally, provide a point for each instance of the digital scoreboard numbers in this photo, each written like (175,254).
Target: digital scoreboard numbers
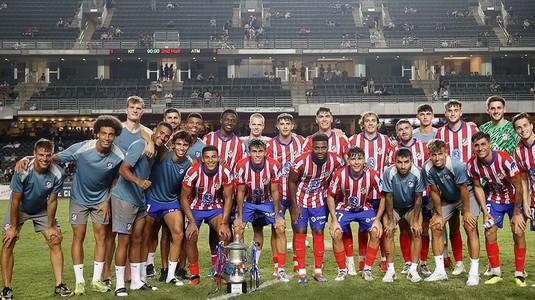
(165,51)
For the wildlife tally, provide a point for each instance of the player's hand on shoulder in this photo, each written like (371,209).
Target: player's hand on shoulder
(22,165)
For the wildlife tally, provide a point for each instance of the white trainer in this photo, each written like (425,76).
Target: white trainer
(342,274)
(424,269)
(351,268)
(413,276)
(488,270)
(437,276)
(367,275)
(459,268)
(406,268)
(473,280)
(390,276)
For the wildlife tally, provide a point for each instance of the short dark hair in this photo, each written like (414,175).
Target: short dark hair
(182,135)
(165,124)
(257,143)
(520,116)
(495,98)
(403,152)
(320,137)
(209,148)
(195,115)
(229,111)
(323,109)
(403,121)
(453,102)
(355,151)
(171,110)
(285,116)
(45,144)
(436,144)
(108,121)
(424,108)
(480,135)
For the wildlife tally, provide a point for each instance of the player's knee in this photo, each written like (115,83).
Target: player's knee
(54,241)
(337,235)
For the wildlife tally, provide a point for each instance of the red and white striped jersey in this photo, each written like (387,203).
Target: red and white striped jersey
(420,153)
(257,182)
(337,143)
(355,191)
(458,143)
(525,158)
(285,154)
(207,190)
(313,179)
(231,150)
(498,173)
(377,152)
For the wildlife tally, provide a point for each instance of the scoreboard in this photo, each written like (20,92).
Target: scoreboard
(165,51)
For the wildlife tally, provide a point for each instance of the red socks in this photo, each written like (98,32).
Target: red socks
(194,269)
(405,245)
(457,246)
(425,248)
(370,255)
(340,259)
(281,259)
(520,258)
(319,250)
(300,250)
(348,244)
(493,252)
(363,242)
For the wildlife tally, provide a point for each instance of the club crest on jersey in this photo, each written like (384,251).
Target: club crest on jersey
(532,172)
(207,199)
(48,184)
(354,201)
(286,169)
(456,153)
(181,171)
(371,162)
(447,176)
(410,184)
(505,136)
(217,185)
(109,165)
(197,153)
(314,185)
(257,193)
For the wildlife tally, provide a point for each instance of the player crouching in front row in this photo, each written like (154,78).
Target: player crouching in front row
(355,184)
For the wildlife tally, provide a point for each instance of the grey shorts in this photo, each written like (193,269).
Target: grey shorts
(402,213)
(79,213)
(124,214)
(449,209)
(40,220)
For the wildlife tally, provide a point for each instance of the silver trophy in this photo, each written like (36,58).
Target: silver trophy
(237,256)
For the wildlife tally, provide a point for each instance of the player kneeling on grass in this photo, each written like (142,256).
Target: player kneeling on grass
(206,196)
(448,180)
(403,185)
(505,196)
(355,184)
(34,197)
(129,210)
(257,178)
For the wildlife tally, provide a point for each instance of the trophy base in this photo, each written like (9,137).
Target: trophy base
(236,287)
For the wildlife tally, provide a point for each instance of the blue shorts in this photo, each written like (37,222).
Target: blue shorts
(375,204)
(317,217)
(427,207)
(532,223)
(365,219)
(251,210)
(260,217)
(205,215)
(157,210)
(498,211)
(286,203)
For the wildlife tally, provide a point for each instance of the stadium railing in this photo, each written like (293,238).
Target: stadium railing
(418,43)
(409,98)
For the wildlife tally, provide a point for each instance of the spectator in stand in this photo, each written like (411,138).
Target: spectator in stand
(153,98)
(62,23)
(303,72)
(213,22)
(525,24)
(287,15)
(171,6)
(171,73)
(293,72)
(3,5)
(200,77)
(210,78)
